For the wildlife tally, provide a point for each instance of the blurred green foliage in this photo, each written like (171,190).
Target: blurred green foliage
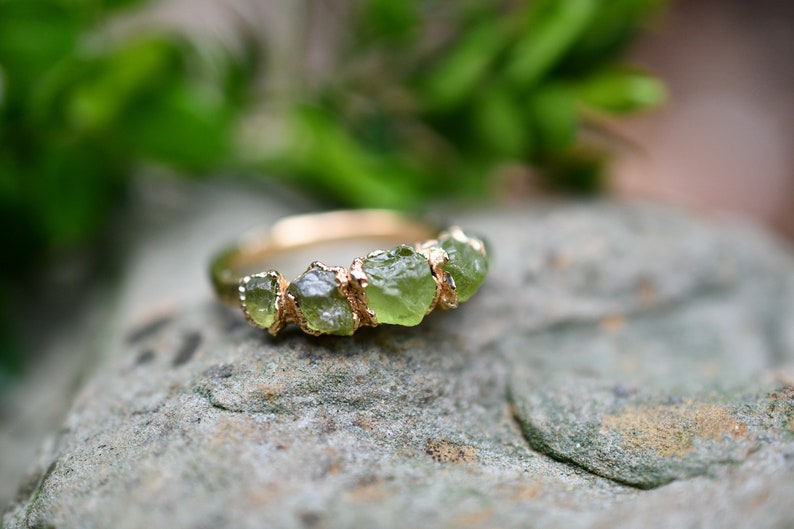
(429,100)
(432,98)
(80,109)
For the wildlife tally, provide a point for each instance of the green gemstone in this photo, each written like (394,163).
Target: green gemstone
(261,292)
(324,307)
(400,286)
(467,266)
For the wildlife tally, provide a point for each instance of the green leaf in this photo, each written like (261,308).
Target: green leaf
(179,126)
(464,67)
(2,91)
(108,85)
(501,124)
(391,20)
(611,28)
(621,92)
(556,120)
(580,170)
(121,4)
(70,189)
(320,154)
(550,29)
(35,36)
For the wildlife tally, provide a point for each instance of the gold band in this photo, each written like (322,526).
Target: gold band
(233,286)
(301,231)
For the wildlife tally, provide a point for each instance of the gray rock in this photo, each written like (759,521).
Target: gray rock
(620,361)
(651,398)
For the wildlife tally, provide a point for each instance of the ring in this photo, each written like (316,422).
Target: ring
(398,286)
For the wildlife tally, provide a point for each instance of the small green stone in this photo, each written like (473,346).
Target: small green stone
(466,265)
(260,299)
(324,307)
(400,286)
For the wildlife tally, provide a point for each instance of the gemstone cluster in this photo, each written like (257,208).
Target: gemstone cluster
(399,286)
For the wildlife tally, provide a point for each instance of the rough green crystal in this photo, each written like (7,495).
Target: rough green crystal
(400,286)
(324,307)
(467,266)
(260,299)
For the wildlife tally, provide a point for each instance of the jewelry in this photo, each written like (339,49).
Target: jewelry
(399,286)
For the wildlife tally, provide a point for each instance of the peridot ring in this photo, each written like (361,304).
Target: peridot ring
(398,286)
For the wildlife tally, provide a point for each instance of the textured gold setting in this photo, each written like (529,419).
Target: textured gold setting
(351,283)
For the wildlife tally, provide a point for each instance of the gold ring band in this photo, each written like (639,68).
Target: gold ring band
(399,286)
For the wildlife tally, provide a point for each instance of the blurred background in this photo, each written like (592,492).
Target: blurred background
(723,142)
(371,103)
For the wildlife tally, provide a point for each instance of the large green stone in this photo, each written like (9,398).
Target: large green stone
(400,286)
(466,265)
(260,299)
(324,307)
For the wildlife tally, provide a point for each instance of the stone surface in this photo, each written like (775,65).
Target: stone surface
(164,250)
(467,266)
(623,365)
(326,310)
(261,292)
(400,286)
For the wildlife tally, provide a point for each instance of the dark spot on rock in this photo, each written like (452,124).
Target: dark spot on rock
(220,371)
(623,391)
(215,520)
(146,410)
(149,328)
(233,324)
(190,344)
(372,479)
(310,519)
(144,357)
(362,422)
(312,357)
(230,319)
(674,400)
(329,426)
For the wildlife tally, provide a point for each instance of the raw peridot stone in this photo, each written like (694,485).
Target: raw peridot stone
(324,307)
(400,286)
(467,266)
(260,299)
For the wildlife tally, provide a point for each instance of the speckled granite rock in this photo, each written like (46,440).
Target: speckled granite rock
(622,363)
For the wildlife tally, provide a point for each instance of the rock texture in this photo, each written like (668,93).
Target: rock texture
(623,364)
